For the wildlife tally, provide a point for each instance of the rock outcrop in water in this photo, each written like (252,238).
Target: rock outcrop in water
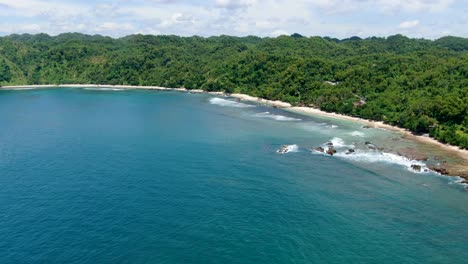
(319,149)
(416,167)
(350,151)
(331,150)
(283,149)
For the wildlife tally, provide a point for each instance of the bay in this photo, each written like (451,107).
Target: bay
(91,176)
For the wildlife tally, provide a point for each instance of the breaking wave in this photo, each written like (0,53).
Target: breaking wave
(276,117)
(340,143)
(459,180)
(224,102)
(372,157)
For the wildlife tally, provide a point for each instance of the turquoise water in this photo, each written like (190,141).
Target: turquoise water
(162,177)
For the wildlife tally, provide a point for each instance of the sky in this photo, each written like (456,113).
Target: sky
(429,19)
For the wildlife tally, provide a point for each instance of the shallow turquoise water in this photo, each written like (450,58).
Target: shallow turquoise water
(161,177)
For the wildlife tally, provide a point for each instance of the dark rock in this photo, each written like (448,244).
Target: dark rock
(439,168)
(366,126)
(331,151)
(330,144)
(283,149)
(350,151)
(416,167)
(370,145)
(319,149)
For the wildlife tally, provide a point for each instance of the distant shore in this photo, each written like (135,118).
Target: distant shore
(449,169)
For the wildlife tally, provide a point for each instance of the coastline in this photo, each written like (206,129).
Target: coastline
(460,170)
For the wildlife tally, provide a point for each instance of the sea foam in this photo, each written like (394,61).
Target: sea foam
(104,89)
(276,117)
(229,103)
(289,148)
(340,143)
(384,157)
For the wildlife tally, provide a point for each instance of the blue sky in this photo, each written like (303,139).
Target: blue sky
(337,18)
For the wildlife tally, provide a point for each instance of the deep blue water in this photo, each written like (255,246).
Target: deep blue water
(163,177)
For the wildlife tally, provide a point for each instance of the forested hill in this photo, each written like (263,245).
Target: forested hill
(413,83)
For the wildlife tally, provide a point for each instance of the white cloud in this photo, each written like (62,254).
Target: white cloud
(409,24)
(279,32)
(336,18)
(111,26)
(415,5)
(233,4)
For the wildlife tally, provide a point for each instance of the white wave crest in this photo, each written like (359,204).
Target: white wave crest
(372,157)
(276,117)
(105,89)
(224,102)
(337,142)
(357,134)
(458,180)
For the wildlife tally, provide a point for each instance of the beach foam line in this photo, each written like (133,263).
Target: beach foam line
(18,89)
(366,156)
(382,157)
(104,89)
(229,103)
(276,117)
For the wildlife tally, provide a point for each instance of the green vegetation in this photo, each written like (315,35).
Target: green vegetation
(412,83)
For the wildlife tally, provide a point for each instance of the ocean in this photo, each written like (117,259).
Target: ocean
(127,176)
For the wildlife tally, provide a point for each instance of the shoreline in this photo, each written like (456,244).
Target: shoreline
(461,153)
(375,124)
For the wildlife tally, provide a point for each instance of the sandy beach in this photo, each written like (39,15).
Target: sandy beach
(313,111)
(451,169)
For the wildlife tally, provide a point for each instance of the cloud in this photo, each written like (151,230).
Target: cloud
(409,24)
(416,5)
(111,26)
(279,32)
(233,4)
(336,18)
(178,18)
